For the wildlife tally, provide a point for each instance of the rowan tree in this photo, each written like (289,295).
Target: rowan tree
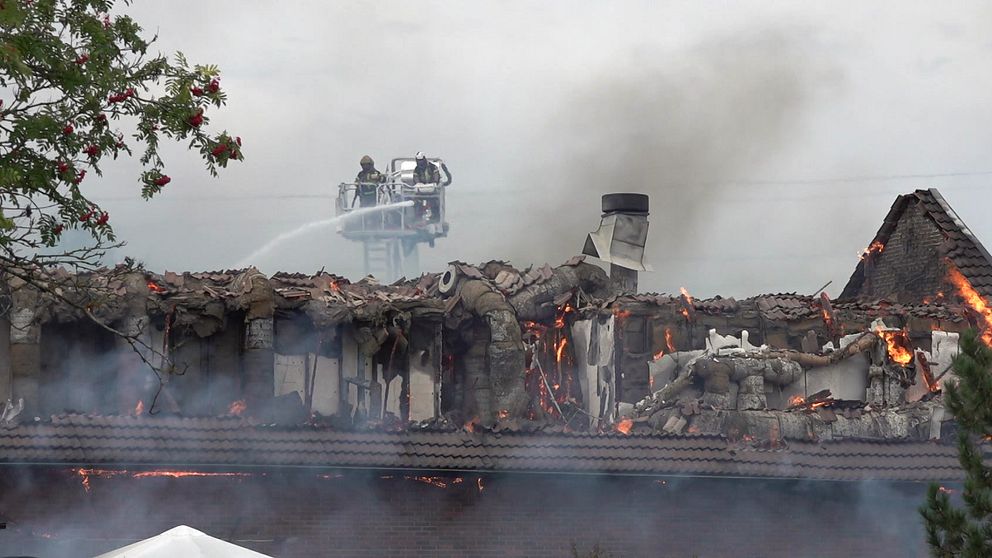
(966,532)
(79,86)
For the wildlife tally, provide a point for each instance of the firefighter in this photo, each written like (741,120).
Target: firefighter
(425,171)
(367,181)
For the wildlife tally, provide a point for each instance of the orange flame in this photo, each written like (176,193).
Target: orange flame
(974,301)
(625,426)
(669,341)
(184,474)
(897,343)
(438,482)
(560,349)
(139,408)
(503,414)
(470,425)
(685,293)
(658,355)
(875,247)
(237,408)
(796,400)
(155,287)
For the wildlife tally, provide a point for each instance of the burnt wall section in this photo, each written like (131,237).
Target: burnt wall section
(911,265)
(355,513)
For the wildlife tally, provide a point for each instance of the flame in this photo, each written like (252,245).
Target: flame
(875,247)
(685,293)
(438,482)
(669,341)
(88,473)
(897,343)
(155,287)
(139,409)
(503,414)
(470,425)
(624,426)
(658,355)
(560,348)
(796,400)
(237,408)
(184,474)
(974,301)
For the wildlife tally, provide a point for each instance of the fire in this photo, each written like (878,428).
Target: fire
(560,349)
(875,247)
(438,482)
(796,400)
(470,425)
(139,409)
(658,355)
(669,341)
(237,408)
(974,301)
(686,303)
(624,426)
(155,287)
(897,343)
(88,473)
(503,414)
(184,474)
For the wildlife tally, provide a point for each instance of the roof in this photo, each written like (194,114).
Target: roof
(84,440)
(963,248)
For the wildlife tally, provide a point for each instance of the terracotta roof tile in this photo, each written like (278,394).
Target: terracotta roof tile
(93,440)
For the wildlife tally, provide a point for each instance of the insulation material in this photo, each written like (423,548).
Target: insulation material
(846,380)
(326,386)
(290,376)
(586,372)
(392,403)
(422,392)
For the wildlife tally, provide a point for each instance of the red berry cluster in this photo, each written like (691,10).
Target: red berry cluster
(118,97)
(92,150)
(101,219)
(83,58)
(57,229)
(227,147)
(79,177)
(68,129)
(214,85)
(63,167)
(197,119)
(162,180)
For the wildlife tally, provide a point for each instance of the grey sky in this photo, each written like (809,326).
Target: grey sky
(539,108)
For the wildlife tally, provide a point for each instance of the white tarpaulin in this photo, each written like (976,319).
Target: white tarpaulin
(184,542)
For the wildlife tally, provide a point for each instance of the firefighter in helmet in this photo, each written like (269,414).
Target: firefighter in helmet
(367,183)
(425,172)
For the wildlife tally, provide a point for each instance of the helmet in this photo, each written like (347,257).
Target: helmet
(366,160)
(420,156)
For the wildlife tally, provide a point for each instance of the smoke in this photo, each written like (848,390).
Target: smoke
(677,126)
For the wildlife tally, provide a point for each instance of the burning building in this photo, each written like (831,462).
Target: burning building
(489,409)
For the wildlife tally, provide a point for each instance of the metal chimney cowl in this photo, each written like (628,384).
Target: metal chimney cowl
(621,237)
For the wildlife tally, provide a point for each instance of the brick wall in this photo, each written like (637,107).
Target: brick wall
(911,266)
(352,513)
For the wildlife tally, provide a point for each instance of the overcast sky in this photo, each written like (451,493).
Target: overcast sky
(732,116)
